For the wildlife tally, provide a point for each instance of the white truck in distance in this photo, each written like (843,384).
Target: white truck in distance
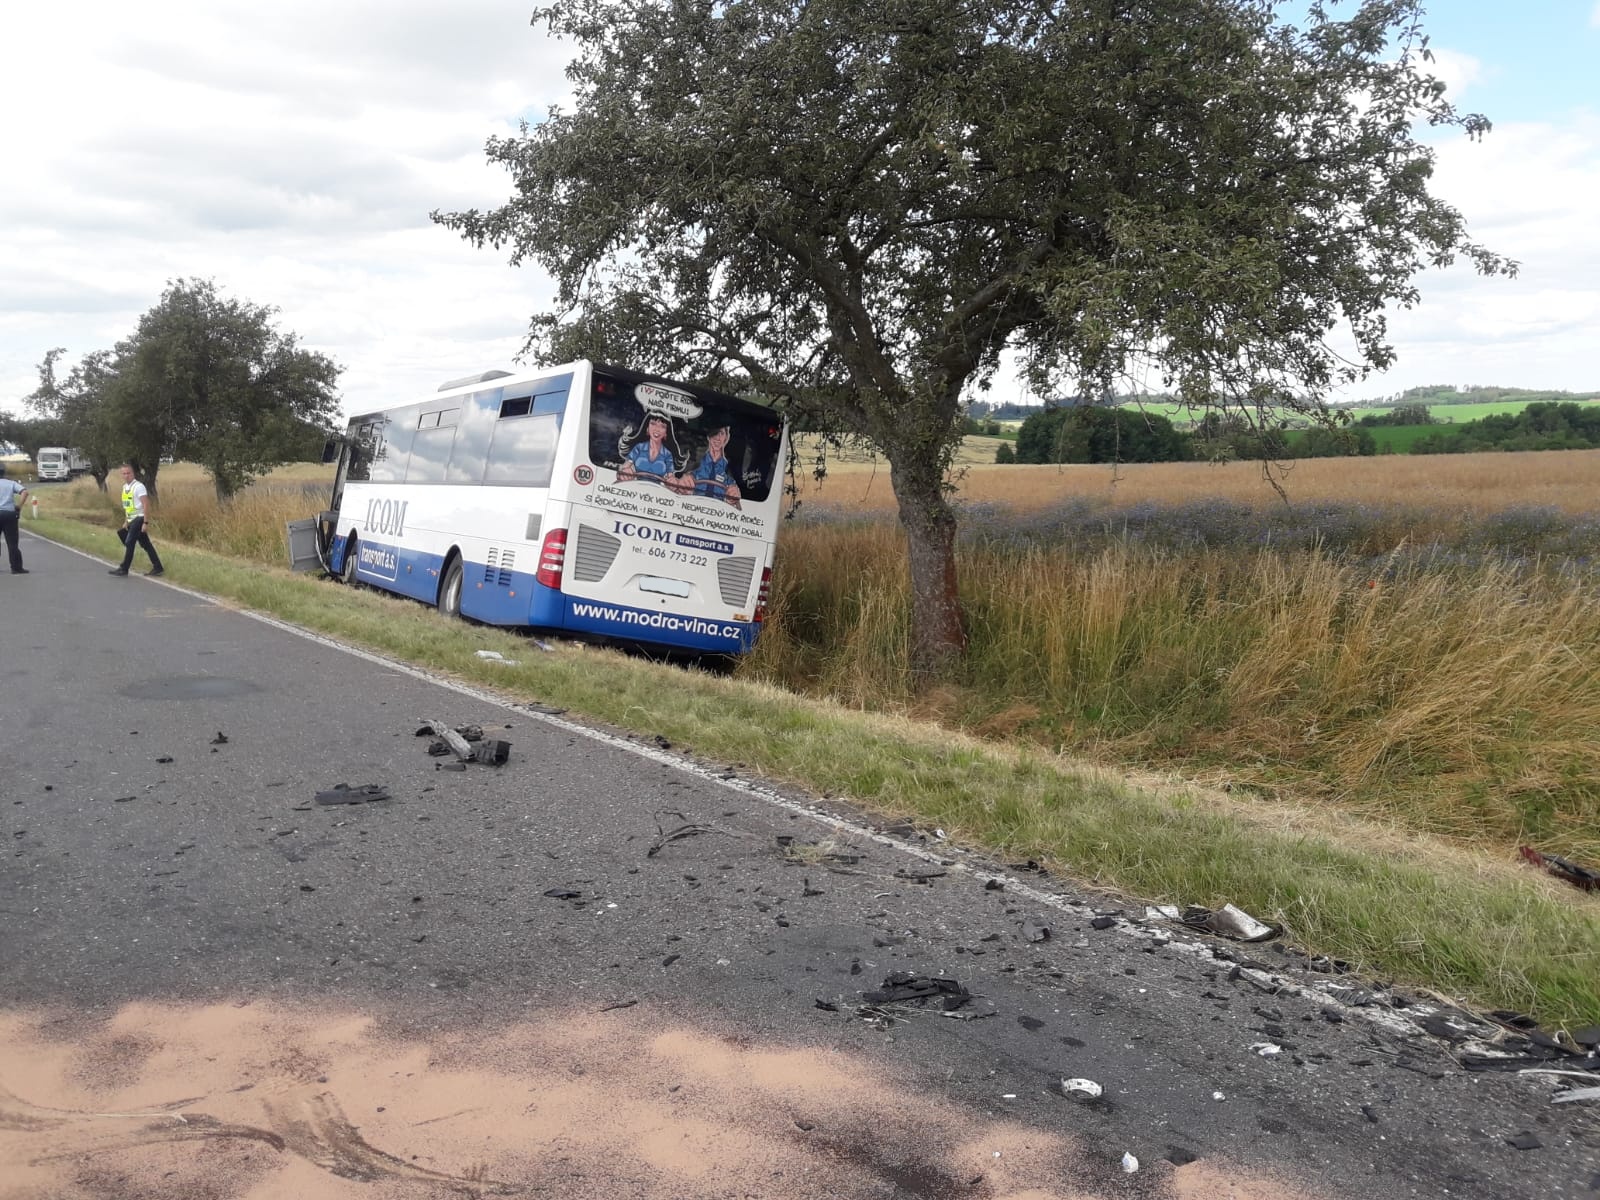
(59,462)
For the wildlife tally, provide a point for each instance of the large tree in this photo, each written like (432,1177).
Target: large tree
(208,378)
(79,407)
(859,207)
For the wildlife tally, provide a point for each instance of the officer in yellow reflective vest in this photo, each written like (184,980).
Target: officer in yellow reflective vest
(135,513)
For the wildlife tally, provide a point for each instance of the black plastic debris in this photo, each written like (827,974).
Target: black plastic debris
(1588,1036)
(165,758)
(1230,922)
(343,793)
(491,753)
(559,893)
(1524,1141)
(1102,923)
(1512,1020)
(450,766)
(686,829)
(914,876)
(454,740)
(1586,878)
(220,740)
(994,885)
(438,748)
(826,1005)
(907,986)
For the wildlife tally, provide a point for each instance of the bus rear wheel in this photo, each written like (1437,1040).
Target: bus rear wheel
(450,590)
(347,569)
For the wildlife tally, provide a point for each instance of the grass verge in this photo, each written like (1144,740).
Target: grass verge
(1462,923)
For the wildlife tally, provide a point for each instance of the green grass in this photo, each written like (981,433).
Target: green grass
(1464,923)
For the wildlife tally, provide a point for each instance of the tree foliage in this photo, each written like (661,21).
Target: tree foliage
(1088,433)
(209,378)
(77,408)
(203,377)
(1564,426)
(860,207)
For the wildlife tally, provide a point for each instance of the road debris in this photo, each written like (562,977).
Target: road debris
(902,986)
(491,753)
(1130,1164)
(220,740)
(343,793)
(1087,1088)
(687,829)
(1571,1095)
(560,893)
(1230,922)
(1524,1141)
(1586,878)
(1035,932)
(456,742)
(496,656)
(1266,1049)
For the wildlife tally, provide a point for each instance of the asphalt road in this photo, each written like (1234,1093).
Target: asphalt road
(148,862)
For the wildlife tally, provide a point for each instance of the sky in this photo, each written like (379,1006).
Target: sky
(292,151)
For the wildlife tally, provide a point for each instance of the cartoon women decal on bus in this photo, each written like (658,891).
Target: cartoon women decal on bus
(646,454)
(712,477)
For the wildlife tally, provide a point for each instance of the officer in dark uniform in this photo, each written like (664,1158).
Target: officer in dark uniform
(12,494)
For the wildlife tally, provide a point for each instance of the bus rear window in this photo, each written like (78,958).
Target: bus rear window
(665,432)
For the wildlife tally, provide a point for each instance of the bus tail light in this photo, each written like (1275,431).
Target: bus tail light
(552,558)
(761,596)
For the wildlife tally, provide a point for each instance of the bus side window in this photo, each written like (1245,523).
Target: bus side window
(389,456)
(524,451)
(430,452)
(478,413)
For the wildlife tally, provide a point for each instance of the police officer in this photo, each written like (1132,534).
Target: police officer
(135,511)
(11,495)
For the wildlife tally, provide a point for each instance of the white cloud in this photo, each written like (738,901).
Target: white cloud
(293,150)
(1457,71)
(1594,18)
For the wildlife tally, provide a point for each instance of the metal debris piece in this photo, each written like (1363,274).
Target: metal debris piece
(454,740)
(1082,1087)
(1228,921)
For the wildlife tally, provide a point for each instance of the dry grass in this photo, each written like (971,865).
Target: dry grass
(1567,480)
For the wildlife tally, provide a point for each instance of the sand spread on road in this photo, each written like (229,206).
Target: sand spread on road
(265,1102)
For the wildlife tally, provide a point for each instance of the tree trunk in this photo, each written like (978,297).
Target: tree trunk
(938,636)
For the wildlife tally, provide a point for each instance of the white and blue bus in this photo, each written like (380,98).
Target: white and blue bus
(584,499)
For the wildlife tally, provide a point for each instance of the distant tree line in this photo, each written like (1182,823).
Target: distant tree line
(204,378)
(1559,426)
(1097,434)
(1438,395)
